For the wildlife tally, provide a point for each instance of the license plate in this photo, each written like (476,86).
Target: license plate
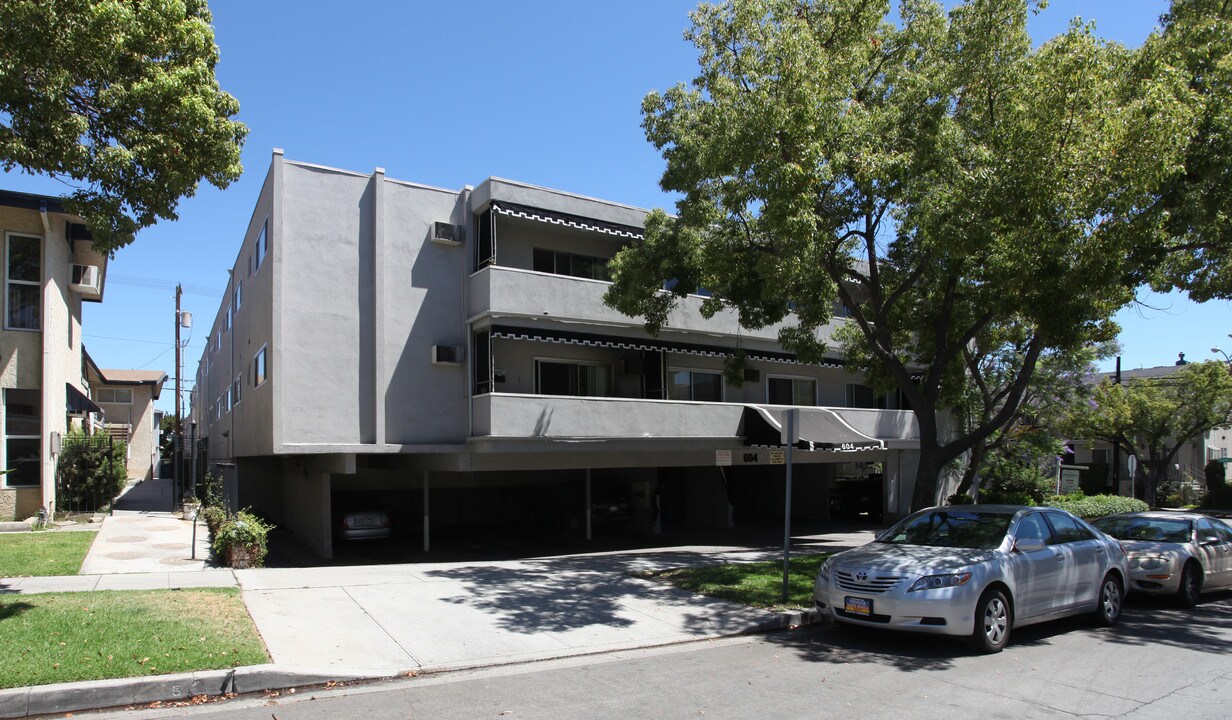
(858,606)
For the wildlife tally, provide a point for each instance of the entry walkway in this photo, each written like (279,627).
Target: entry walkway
(144,536)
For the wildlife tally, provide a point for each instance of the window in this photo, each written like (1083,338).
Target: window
(260,368)
(262,247)
(791,391)
(237,295)
(1032,527)
(235,389)
(23,431)
(563,263)
(862,396)
(699,385)
(227,322)
(24,282)
(572,378)
(1065,530)
(218,341)
(227,400)
(115,396)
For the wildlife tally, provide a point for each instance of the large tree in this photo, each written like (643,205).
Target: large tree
(1154,417)
(118,98)
(963,193)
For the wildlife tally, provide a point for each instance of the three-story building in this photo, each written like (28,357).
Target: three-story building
(450,351)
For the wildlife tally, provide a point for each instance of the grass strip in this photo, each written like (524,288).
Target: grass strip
(44,553)
(66,637)
(758,584)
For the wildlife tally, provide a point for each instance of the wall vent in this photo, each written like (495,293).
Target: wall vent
(447,233)
(446,355)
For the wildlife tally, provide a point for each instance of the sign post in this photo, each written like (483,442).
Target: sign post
(791,442)
(1131,464)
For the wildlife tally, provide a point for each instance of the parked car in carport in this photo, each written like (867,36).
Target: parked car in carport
(1174,553)
(976,571)
(360,517)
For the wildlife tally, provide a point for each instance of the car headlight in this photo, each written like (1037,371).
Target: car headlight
(936,582)
(823,573)
(1149,563)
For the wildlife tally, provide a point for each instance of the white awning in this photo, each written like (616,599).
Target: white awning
(817,429)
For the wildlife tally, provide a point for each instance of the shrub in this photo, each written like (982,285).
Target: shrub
(91,471)
(959,499)
(214,517)
(241,540)
(1014,483)
(1095,506)
(1218,495)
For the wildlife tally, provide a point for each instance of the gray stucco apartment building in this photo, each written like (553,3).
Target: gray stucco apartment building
(449,351)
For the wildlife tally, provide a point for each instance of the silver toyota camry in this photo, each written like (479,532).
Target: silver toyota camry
(976,571)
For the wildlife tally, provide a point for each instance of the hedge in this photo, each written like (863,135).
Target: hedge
(1094,506)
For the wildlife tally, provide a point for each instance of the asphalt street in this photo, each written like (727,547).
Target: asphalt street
(1160,662)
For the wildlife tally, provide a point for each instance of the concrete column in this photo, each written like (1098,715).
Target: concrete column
(379,380)
(588,506)
(427,545)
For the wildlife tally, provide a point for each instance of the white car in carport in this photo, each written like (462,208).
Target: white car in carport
(976,571)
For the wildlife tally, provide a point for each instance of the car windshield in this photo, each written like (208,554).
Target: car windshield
(951,528)
(1173,530)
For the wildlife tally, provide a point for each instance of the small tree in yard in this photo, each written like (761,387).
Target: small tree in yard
(1156,417)
(966,194)
(91,471)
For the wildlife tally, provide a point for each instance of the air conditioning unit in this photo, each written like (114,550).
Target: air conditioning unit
(447,233)
(85,279)
(446,355)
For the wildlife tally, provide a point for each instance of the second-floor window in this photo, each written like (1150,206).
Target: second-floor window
(235,389)
(260,367)
(115,396)
(573,378)
(791,391)
(699,385)
(237,295)
(262,247)
(24,280)
(862,396)
(563,263)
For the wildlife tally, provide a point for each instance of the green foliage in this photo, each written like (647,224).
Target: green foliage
(977,201)
(1095,506)
(1156,416)
(1219,494)
(91,471)
(119,98)
(75,636)
(214,516)
(1015,482)
(44,553)
(959,499)
(214,495)
(242,530)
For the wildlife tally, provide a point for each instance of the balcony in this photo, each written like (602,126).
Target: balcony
(553,416)
(504,292)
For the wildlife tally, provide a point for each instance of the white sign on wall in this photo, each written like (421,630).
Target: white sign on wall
(722,457)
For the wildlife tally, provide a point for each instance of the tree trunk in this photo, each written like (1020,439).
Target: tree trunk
(974,461)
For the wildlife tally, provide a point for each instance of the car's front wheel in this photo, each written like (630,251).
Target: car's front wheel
(1111,597)
(1191,585)
(993,621)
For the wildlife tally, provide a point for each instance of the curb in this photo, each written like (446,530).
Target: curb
(121,692)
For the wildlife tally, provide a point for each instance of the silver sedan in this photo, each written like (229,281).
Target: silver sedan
(1174,553)
(976,571)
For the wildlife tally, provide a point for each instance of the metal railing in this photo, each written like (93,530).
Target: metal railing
(90,474)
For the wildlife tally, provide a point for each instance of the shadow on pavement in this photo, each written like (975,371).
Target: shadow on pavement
(147,496)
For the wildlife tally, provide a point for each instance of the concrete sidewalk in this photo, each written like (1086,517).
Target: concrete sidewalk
(323,623)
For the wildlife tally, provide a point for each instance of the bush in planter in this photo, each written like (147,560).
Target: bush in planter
(1096,506)
(214,517)
(241,541)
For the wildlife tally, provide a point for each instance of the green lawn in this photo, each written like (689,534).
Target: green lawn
(44,553)
(757,584)
(65,637)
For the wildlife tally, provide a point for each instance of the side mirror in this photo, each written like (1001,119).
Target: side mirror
(1209,540)
(1029,545)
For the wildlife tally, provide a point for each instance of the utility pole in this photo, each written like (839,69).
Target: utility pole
(1116,445)
(178,453)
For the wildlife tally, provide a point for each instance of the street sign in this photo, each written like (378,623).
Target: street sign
(777,457)
(1131,463)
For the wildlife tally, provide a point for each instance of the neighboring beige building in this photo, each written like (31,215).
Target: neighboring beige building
(50,268)
(127,400)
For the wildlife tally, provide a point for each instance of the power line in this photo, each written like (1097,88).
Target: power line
(148,342)
(163,284)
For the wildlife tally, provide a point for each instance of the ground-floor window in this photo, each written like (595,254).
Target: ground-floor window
(554,377)
(698,385)
(23,430)
(791,391)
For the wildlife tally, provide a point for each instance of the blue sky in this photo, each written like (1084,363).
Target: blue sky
(447,94)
